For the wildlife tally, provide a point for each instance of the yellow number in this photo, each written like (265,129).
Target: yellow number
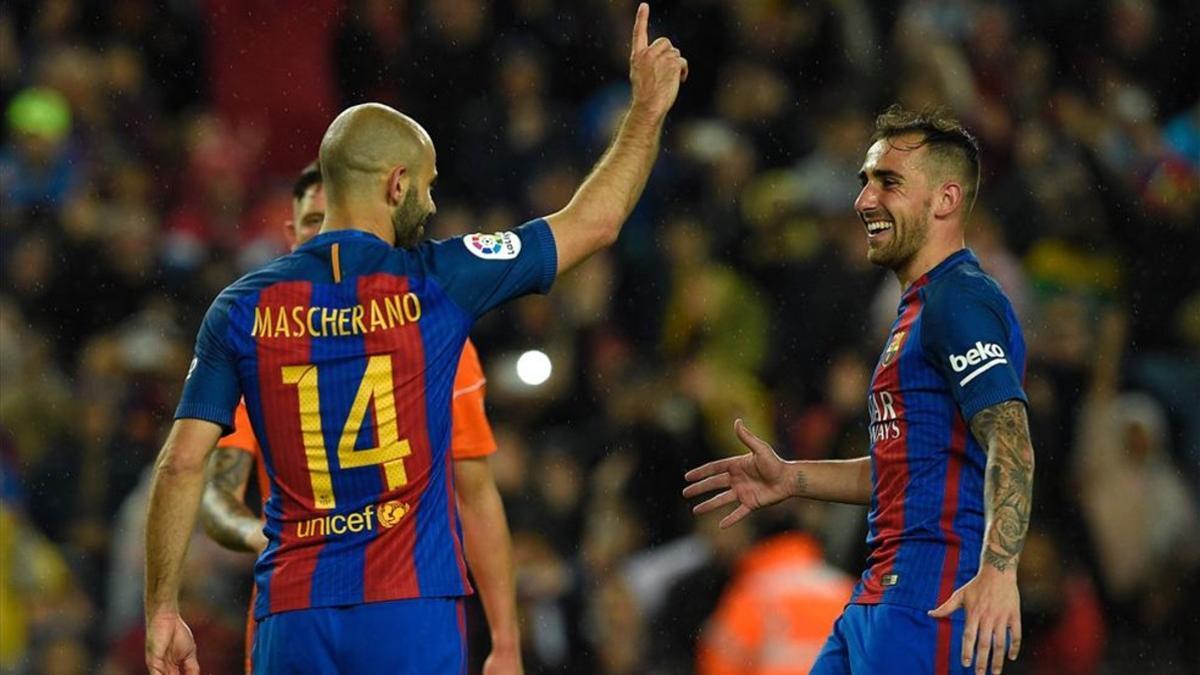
(375,390)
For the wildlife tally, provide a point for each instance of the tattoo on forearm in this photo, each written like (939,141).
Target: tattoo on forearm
(1003,430)
(225,516)
(801,483)
(230,470)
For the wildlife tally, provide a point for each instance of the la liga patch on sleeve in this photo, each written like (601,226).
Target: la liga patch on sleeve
(495,246)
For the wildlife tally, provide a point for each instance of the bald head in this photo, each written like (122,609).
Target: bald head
(373,158)
(368,141)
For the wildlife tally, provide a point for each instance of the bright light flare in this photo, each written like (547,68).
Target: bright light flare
(533,367)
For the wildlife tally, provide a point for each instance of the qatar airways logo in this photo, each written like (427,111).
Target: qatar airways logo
(986,356)
(885,423)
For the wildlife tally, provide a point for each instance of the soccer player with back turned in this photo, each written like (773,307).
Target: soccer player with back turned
(487,545)
(345,351)
(950,475)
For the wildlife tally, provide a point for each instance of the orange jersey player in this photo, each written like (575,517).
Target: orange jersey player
(231,523)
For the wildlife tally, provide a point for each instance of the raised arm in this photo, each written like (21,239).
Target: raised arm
(223,511)
(593,218)
(761,478)
(170,520)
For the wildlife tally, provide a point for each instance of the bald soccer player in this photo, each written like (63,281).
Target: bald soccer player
(486,541)
(345,351)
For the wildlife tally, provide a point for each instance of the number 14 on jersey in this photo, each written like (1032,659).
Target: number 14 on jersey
(374,390)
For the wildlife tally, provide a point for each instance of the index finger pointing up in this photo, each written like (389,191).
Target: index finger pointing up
(640,37)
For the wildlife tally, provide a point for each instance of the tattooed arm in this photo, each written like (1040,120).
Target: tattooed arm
(991,599)
(223,511)
(1003,430)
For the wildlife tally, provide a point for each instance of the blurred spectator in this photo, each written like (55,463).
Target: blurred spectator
(144,157)
(777,611)
(38,167)
(1061,612)
(213,591)
(45,613)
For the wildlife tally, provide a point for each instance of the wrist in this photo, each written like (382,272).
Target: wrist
(988,567)
(797,479)
(161,610)
(642,114)
(253,537)
(506,641)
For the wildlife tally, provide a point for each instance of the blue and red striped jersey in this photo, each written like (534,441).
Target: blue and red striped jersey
(954,349)
(346,352)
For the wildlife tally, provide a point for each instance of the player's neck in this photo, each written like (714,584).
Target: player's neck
(930,255)
(350,219)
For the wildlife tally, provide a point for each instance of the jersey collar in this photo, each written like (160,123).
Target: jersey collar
(962,255)
(340,235)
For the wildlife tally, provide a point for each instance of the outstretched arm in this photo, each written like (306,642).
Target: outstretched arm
(593,218)
(991,599)
(223,511)
(761,478)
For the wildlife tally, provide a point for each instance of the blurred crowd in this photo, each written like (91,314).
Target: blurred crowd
(146,156)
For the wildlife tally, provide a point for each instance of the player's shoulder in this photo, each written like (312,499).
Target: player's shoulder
(963,284)
(279,270)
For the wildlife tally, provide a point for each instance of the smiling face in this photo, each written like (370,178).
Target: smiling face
(895,202)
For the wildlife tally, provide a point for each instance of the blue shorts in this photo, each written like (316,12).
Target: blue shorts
(417,636)
(892,640)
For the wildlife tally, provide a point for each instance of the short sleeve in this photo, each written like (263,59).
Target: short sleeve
(480,271)
(242,437)
(211,391)
(471,433)
(969,334)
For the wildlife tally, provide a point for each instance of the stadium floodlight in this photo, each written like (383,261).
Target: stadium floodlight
(534,367)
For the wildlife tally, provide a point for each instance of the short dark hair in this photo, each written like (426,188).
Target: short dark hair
(948,140)
(310,176)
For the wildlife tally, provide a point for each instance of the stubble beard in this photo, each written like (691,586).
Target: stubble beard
(408,221)
(904,245)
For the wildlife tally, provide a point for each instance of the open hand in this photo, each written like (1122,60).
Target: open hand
(754,480)
(655,69)
(993,608)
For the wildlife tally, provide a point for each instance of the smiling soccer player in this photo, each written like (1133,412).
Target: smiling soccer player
(950,476)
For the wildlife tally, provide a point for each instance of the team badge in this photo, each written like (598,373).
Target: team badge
(893,348)
(391,512)
(496,246)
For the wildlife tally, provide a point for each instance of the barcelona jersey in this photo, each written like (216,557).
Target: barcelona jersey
(955,348)
(471,437)
(345,351)
(471,434)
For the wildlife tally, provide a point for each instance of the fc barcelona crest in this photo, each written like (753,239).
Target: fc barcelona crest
(893,348)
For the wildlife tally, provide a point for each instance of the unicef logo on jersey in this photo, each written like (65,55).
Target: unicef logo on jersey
(388,515)
(497,246)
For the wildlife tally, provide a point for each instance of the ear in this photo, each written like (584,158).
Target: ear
(948,199)
(289,232)
(397,185)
